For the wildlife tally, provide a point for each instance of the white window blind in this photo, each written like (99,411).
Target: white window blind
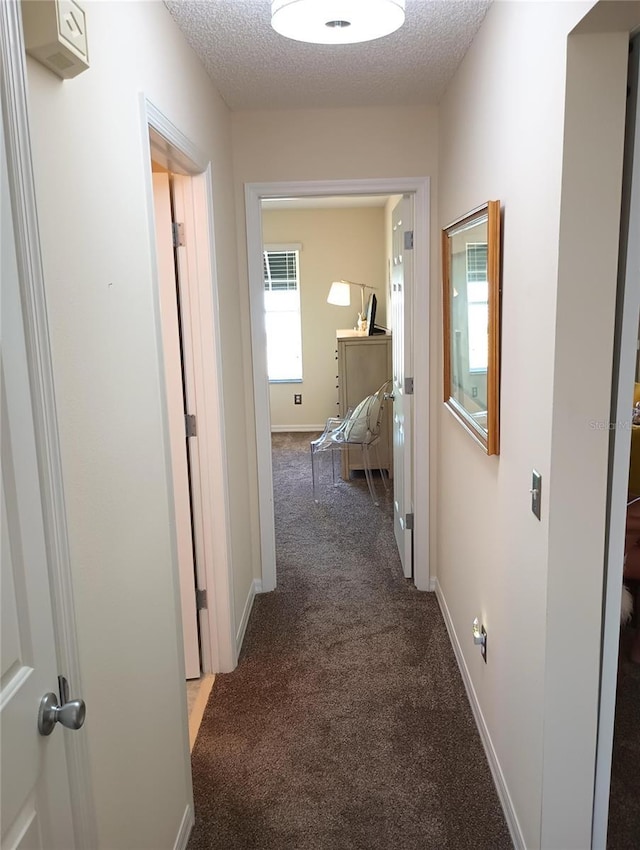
(282,313)
(477,305)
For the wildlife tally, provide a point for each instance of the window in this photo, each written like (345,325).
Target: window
(477,305)
(282,312)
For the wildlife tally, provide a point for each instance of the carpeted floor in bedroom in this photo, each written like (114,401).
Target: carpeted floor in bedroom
(624,800)
(345,724)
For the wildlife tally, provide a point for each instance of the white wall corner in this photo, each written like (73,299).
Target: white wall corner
(496,771)
(256,587)
(188,820)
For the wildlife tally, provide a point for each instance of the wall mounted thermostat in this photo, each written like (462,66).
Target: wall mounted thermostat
(55,33)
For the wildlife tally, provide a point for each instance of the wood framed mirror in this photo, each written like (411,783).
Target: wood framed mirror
(471,315)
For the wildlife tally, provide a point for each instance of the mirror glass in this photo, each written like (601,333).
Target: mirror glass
(471,322)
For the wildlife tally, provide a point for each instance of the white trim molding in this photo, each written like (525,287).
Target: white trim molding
(297,429)
(186,825)
(494,765)
(255,193)
(13,83)
(256,587)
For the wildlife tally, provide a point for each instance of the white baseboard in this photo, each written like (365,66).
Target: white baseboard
(433,581)
(494,765)
(186,826)
(297,429)
(256,587)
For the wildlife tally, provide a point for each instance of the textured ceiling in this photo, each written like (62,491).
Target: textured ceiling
(255,68)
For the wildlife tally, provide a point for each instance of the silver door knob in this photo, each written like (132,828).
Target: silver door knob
(390,396)
(71,714)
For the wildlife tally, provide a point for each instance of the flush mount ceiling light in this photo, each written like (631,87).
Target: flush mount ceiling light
(336,21)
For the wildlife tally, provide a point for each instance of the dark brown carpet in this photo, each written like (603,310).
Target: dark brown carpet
(346,723)
(624,802)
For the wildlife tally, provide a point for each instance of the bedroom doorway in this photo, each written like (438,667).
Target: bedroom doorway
(255,195)
(318,364)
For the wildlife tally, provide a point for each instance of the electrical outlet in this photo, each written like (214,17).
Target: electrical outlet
(474,392)
(297,398)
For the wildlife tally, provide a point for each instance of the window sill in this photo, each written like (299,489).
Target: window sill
(285,380)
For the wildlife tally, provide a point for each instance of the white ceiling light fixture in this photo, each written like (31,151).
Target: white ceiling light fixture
(336,21)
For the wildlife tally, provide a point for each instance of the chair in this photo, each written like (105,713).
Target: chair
(360,428)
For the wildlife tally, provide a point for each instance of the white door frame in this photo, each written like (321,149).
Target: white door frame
(629,309)
(254,194)
(13,85)
(171,148)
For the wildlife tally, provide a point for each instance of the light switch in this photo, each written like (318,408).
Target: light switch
(536,492)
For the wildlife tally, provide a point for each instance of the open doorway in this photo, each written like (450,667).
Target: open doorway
(179,374)
(181,212)
(617,802)
(179,378)
(256,194)
(320,364)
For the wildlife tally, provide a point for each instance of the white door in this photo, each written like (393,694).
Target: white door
(177,431)
(34,793)
(401,311)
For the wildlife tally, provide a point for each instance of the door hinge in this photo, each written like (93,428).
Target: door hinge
(177,229)
(408,522)
(408,386)
(408,240)
(190,424)
(201,599)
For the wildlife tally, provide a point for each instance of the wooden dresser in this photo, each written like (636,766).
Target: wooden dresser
(364,364)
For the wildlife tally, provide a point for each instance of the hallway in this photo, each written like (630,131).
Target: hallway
(345,724)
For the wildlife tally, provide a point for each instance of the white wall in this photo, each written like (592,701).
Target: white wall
(336,243)
(90,161)
(537,586)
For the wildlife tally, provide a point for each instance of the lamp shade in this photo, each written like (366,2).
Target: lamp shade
(336,21)
(339,294)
